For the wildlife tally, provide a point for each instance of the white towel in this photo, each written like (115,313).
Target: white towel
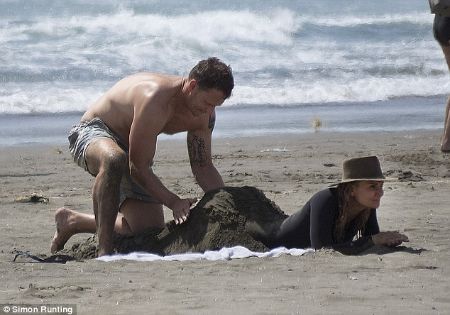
(226,253)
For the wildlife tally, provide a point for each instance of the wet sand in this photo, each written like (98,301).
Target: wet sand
(288,170)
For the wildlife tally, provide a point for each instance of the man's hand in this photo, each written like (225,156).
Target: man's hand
(181,209)
(389,238)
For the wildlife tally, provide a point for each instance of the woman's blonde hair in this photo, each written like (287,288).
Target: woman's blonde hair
(344,201)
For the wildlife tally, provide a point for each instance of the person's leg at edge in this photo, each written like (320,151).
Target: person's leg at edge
(445,144)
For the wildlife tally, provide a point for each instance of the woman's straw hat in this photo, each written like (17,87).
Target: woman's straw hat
(361,168)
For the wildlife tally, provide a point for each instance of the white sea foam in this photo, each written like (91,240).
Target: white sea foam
(323,91)
(45,98)
(282,52)
(421,18)
(206,27)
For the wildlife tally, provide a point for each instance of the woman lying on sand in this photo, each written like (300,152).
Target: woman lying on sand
(334,216)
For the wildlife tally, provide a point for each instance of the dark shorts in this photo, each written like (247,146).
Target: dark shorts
(441,29)
(85,133)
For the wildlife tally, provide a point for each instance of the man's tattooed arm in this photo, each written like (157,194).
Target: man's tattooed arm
(197,151)
(199,148)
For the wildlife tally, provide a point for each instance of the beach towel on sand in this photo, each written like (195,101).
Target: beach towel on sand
(226,253)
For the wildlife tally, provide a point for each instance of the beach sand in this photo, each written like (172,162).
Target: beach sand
(288,169)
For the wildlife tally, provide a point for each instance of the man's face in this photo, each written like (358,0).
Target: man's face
(204,101)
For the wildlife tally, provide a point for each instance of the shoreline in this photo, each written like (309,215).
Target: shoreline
(410,113)
(272,137)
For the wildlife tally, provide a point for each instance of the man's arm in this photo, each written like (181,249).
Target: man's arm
(150,116)
(199,148)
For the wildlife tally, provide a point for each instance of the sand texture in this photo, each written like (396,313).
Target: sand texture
(287,170)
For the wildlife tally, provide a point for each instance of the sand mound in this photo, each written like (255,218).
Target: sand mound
(225,217)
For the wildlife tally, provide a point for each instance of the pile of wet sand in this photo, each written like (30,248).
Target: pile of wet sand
(222,218)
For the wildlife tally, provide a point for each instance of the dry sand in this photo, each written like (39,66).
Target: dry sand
(289,170)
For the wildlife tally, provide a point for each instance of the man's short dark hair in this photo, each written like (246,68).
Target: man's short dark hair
(212,73)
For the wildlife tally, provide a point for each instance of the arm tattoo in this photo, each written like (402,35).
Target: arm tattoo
(212,121)
(197,151)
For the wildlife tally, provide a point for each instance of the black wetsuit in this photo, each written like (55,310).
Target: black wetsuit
(441,29)
(313,227)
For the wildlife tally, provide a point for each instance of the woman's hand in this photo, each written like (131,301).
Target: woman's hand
(389,238)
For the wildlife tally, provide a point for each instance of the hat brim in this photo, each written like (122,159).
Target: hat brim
(386,179)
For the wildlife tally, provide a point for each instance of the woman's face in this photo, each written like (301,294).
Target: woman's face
(368,193)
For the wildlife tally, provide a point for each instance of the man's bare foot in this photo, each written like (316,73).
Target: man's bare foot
(64,219)
(445,148)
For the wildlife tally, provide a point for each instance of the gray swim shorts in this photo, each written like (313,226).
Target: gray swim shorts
(85,133)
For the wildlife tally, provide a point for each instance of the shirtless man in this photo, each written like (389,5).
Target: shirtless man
(116,142)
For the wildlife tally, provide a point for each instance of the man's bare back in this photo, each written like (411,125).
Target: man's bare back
(116,108)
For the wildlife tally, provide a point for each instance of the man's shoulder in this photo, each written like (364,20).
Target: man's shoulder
(152,81)
(148,87)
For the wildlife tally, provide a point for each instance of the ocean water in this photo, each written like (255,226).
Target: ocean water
(357,65)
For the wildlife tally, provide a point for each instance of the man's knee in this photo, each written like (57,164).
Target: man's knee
(114,163)
(104,155)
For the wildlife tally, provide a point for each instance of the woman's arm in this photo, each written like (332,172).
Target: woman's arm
(388,238)
(372,236)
